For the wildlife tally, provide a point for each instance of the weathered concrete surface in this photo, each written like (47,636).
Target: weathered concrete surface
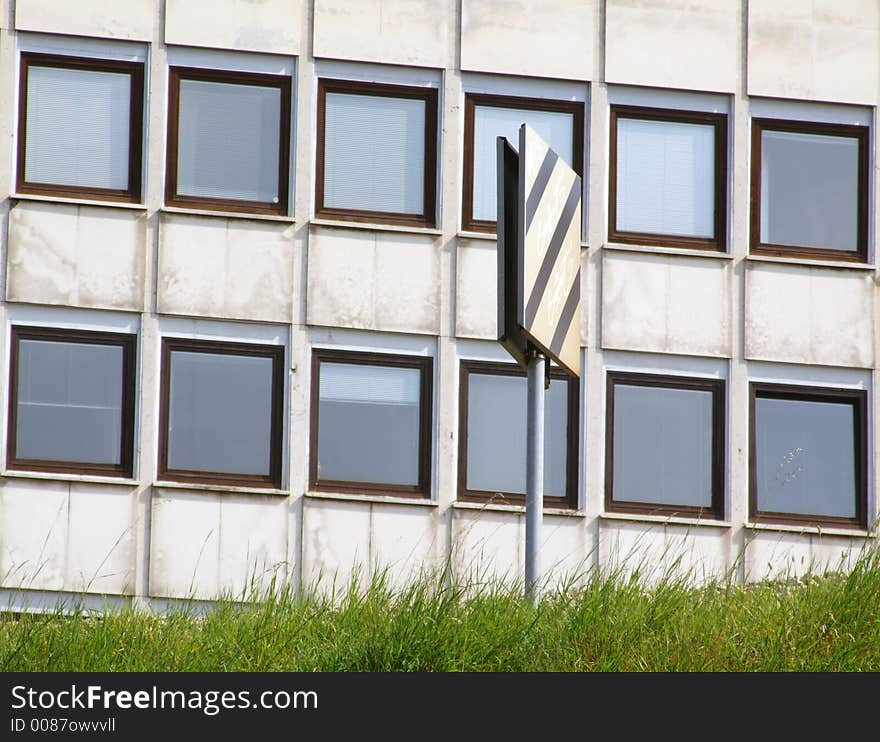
(511,37)
(225,268)
(673,43)
(336,544)
(488,546)
(829,50)
(666,303)
(805,314)
(79,256)
(476,290)
(132,19)
(373,280)
(245,25)
(409,32)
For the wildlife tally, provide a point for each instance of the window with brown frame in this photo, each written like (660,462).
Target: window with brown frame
(228,141)
(221,413)
(486,117)
(71,401)
(809,191)
(371,421)
(668,178)
(664,445)
(80,127)
(376,153)
(808,454)
(492,435)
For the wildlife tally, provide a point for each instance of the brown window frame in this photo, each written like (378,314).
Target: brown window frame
(428,217)
(848,131)
(252,79)
(471,102)
(135,70)
(570,499)
(718,121)
(276,354)
(719,455)
(128,343)
(858,398)
(425,366)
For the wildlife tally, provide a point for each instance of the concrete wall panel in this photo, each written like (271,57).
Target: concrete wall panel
(373,280)
(80,256)
(509,37)
(819,45)
(631,548)
(225,268)
(476,290)
(809,315)
(407,542)
(702,554)
(246,25)
(775,555)
(673,43)
(666,304)
(336,545)
(567,551)
(132,19)
(488,546)
(410,32)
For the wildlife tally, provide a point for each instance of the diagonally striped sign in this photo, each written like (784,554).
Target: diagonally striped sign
(548,302)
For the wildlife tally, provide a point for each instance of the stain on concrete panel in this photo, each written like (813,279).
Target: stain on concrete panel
(408,32)
(80,256)
(500,36)
(247,25)
(132,19)
(476,290)
(336,545)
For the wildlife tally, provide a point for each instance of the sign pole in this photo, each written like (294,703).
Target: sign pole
(534,475)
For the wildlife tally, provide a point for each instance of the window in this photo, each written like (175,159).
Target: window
(377,153)
(668,178)
(80,127)
(664,447)
(559,123)
(492,435)
(221,407)
(808,455)
(809,189)
(71,402)
(371,423)
(228,141)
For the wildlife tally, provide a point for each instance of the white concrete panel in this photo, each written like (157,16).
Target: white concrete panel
(33,534)
(81,256)
(185,544)
(665,303)
(803,314)
(225,268)
(777,555)
(132,19)
(410,32)
(247,25)
(476,290)
(632,548)
(487,547)
(407,543)
(505,36)
(336,545)
(673,43)
(373,280)
(701,554)
(100,543)
(833,553)
(253,544)
(567,551)
(819,44)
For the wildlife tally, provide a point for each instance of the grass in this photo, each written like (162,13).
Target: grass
(820,622)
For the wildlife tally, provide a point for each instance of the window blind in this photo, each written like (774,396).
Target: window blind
(353,382)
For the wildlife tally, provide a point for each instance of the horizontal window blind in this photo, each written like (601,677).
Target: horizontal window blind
(353,382)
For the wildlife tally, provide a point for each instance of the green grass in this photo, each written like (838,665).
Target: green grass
(822,622)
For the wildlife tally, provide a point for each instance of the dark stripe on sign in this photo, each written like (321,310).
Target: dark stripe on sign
(549,259)
(574,295)
(540,185)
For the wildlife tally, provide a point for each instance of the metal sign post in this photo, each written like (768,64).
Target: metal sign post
(539,227)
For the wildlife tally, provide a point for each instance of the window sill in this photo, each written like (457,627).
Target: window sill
(670,520)
(519,509)
(686,251)
(810,530)
(221,488)
(71,478)
(382,499)
(752,258)
(219,213)
(77,201)
(376,227)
